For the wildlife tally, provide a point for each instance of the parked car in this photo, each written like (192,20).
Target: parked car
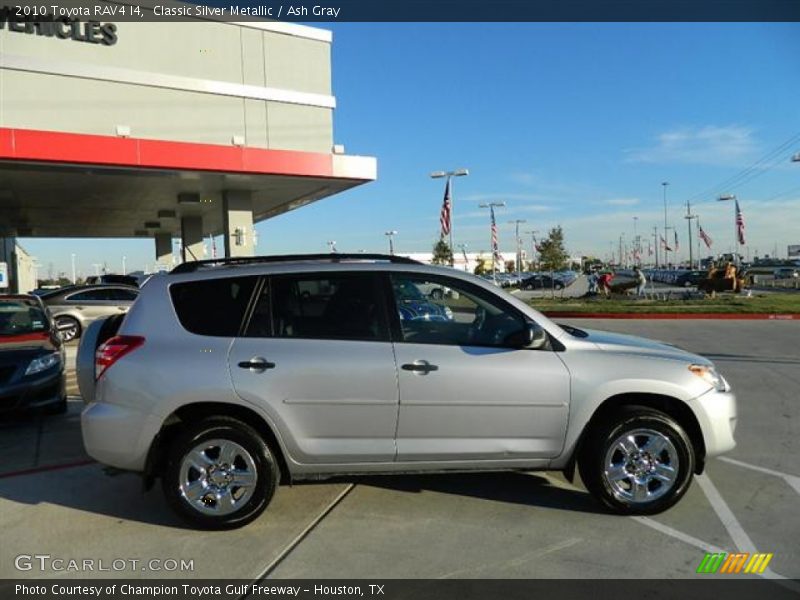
(109,278)
(690,278)
(786,273)
(75,307)
(226,378)
(31,357)
(542,282)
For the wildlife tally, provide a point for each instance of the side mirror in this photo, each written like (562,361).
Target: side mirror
(531,336)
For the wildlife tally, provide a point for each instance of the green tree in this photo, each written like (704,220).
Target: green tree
(510,266)
(552,255)
(442,254)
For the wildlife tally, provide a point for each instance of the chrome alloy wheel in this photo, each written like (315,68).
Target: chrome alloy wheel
(641,466)
(217,477)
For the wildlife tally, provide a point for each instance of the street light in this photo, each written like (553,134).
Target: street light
(518,262)
(74,279)
(493,239)
(448,184)
(390,235)
(664,184)
(735,253)
(796,157)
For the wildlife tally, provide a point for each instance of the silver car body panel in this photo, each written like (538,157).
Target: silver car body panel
(349,407)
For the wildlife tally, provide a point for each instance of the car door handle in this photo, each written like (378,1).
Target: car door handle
(257,364)
(420,366)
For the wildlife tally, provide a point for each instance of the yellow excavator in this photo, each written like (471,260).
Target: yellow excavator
(723,276)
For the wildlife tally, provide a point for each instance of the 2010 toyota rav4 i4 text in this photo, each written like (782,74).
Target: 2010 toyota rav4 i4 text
(227,376)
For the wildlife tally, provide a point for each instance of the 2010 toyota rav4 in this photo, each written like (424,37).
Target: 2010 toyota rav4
(228,376)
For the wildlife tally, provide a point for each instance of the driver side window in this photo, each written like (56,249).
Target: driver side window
(450,312)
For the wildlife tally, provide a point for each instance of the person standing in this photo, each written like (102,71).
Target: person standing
(604,283)
(641,281)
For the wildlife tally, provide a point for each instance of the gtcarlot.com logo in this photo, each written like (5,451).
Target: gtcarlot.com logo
(739,562)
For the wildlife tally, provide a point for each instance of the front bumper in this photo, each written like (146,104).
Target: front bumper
(35,392)
(716,413)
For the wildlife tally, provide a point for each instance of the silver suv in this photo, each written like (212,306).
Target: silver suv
(229,376)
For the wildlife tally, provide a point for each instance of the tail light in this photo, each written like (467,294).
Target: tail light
(112,350)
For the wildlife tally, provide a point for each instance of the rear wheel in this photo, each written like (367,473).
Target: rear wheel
(68,327)
(640,461)
(219,474)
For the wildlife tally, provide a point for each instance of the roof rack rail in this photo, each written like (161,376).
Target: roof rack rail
(195,265)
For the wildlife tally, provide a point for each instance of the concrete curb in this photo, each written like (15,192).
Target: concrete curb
(720,316)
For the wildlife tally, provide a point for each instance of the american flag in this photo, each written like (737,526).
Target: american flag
(444,217)
(677,246)
(704,236)
(495,249)
(664,243)
(739,224)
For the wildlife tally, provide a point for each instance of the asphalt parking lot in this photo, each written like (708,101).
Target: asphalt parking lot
(498,525)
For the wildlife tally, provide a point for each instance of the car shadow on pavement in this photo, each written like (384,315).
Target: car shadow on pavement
(90,489)
(523,488)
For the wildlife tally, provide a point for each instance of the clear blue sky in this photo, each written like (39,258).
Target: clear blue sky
(571,124)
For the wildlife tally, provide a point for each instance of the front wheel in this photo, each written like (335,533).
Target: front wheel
(638,462)
(219,474)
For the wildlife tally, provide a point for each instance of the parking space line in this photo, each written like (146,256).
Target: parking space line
(678,535)
(46,468)
(301,536)
(515,562)
(792,480)
(735,529)
(729,521)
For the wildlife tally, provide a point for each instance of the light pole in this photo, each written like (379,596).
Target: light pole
(689,216)
(390,235)
(655,242)
(124,270)
(448,192)
(493,239)
(518,262)
(637,250)
(664,185)
(734,253)
(74,279)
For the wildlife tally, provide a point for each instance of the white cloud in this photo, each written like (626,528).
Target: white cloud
(621,202)
(709,145)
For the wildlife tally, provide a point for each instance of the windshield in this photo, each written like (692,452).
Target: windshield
(21,316)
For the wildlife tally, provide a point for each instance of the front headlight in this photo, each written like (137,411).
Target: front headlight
(48,361)
(710,376)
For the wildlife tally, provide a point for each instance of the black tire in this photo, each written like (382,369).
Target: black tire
(597,450)
(263,462)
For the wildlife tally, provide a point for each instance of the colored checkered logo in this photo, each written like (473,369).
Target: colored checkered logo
(734,563)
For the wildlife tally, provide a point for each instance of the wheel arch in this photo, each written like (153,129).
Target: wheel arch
(673,407)
(192,413)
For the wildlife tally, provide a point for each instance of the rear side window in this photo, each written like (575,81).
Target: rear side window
(339,306)
(213,307)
